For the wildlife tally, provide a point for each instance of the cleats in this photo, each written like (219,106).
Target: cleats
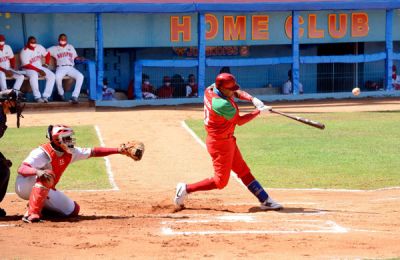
(180,194)
(270,204)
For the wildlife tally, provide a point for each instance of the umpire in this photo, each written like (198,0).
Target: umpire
(7,104)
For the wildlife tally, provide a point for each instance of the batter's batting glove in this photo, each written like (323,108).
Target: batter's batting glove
(264,108)
(257,103)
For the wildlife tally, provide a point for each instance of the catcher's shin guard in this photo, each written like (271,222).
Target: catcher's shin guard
(36,203)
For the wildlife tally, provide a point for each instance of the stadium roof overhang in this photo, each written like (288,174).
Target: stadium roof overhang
(182,6)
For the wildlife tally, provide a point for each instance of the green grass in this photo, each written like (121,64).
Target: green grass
(355,151)
(16,145)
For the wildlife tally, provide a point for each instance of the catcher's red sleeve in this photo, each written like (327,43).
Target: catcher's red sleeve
(26,170)
(103,151)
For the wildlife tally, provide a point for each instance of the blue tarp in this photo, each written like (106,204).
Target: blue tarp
(189,6)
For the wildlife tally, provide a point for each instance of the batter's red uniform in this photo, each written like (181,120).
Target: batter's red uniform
(221,117)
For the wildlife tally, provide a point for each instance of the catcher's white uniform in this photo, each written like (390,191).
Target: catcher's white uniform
(39,159)
(65,56)
(6,54)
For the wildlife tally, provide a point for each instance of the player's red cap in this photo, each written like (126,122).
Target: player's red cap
(2,38)
(226,81)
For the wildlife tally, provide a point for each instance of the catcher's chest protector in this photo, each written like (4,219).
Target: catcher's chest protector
(59,163)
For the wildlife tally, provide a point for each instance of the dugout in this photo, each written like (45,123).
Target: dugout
(331,47)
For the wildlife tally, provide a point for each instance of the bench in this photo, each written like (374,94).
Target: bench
(68,82)
(263,91)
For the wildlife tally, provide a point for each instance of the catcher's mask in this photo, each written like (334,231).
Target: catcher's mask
(61,136)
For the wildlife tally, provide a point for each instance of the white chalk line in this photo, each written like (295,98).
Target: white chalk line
(108,163)
(198,140)
(7,225)
(314,227)
(387,199)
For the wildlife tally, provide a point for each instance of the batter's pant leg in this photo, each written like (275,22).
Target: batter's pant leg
(19,79)
(3,81)
(222,153)
(240,167)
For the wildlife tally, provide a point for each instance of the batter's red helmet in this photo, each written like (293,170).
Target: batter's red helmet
(227,81)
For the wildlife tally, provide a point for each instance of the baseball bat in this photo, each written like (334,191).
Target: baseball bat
(301,119)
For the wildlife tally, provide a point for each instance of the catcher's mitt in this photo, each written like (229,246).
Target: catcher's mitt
(133,149)
(46,177)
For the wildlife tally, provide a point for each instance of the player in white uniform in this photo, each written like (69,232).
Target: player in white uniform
(65,55)
(31,59)
(42,169)
(7,61)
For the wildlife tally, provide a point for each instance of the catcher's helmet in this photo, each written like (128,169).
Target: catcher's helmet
(227,81)
(61,136)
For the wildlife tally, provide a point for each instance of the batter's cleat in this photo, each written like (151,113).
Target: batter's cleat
(33,218)
(180,194)
(270,204)
(2,213)
(39,100)
(45,100)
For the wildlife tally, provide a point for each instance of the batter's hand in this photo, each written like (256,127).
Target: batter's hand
(264,108)
(257,102)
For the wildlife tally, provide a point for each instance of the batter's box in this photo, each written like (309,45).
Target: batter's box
(246,224)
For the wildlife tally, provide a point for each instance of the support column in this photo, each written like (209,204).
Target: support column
(201,73)
(295,52)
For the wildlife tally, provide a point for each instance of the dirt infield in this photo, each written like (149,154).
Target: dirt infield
(139,220)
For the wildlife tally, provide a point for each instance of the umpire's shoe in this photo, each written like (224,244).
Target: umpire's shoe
(180,194)
(270,204)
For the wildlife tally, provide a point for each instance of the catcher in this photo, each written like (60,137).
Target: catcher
(40,172)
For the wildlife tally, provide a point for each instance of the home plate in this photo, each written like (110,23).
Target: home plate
(247,224)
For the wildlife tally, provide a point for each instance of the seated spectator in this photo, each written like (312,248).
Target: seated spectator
(191,87)
(147,89)
(225,70)
(31,58)
(371,85)
(65,56)
(395,78)
(108,93)
(287,86)
(8,66)
(166,90)
(178,83)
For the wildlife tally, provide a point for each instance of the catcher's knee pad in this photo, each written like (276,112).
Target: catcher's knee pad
(76,210)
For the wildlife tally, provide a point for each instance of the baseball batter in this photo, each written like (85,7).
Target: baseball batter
(221,117)
(65,56)
(7,61)
(40,172)
(31,59)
